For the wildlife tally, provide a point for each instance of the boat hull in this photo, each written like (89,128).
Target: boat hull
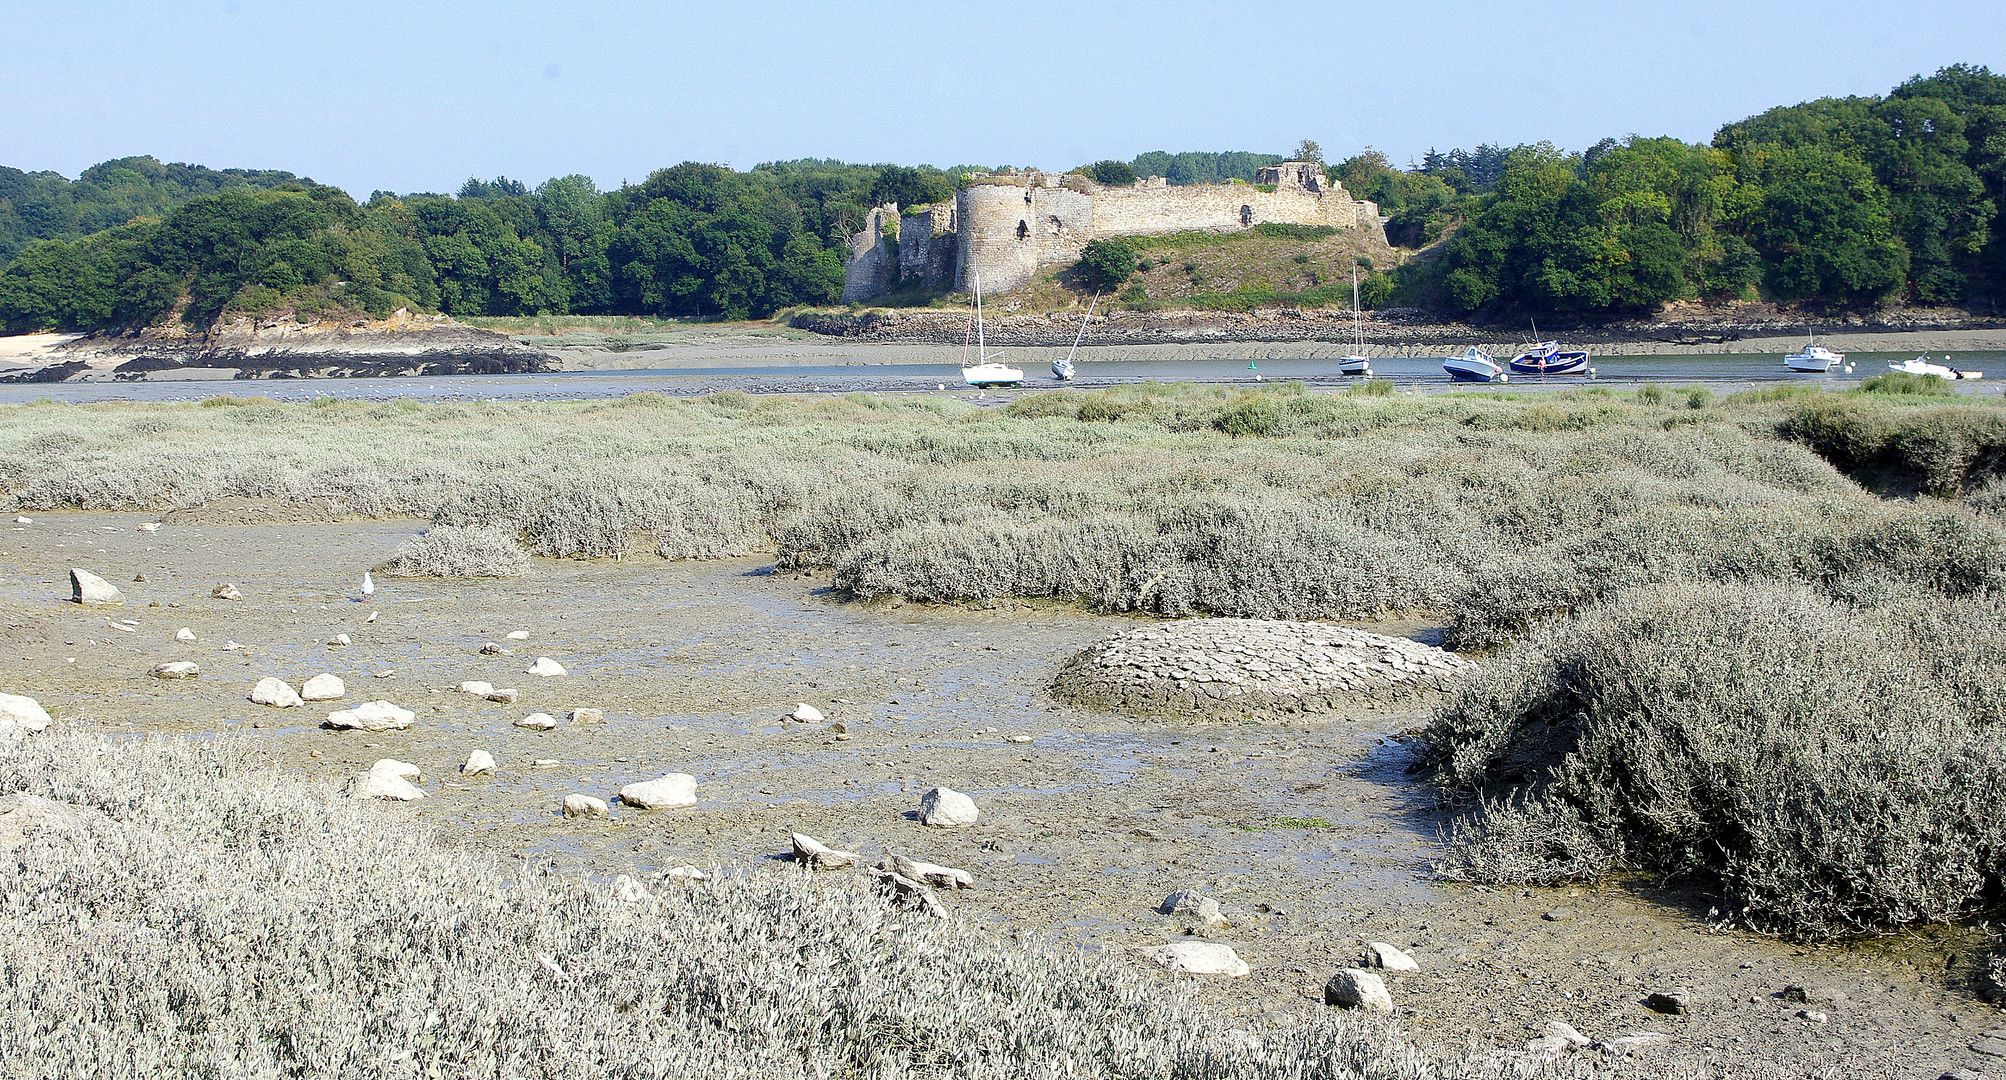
(1062,370)
(1355,365)
(1474,371)
(983,376)
(1555,363)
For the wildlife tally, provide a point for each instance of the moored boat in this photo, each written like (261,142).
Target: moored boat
(1547,358)
(985,372)
(1815,359)
(1921,366)
(1357,363)
(1475,365)
(1062,368)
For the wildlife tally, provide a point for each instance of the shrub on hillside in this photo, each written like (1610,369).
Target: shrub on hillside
(1827,769)
(452,551)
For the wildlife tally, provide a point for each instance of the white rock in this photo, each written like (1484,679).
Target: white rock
(1200,907)
(372,616)
(226,591)
(588,716)
(340,639)
(177,669)
(910,892)
(504,696)
(479,689)
(151,526)
(1564,1030)
(24,520)
(628,891)
(478,762)
(1352,988)
(806,713)
(672,790)
(387,779)
(1389,957)
(518,635)
(89,589)
(1199,958)
(372,716)
(685,873)
(492,649)
(946,808)
(812,853)
(1548,1044)
(1638,1041)
(323,687)
(946,877)
(537,721)
(231,646)
(546,666)
(184,634)
(545,763)
(1018,739)
(576,805)
(277,693)
(24,713)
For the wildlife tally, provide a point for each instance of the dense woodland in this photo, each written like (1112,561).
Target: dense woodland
(1836,203)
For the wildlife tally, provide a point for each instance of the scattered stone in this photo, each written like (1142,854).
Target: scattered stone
(231,646)
(588,716)
(909,892)
(663,793)
(372,716)
(1381,955)
(546,667)
(1255,668)
(1018,739)
(1813,1016)
(176,669)
(372,616)
(1624,1044)
(1561,1029)
(1548,1044)
(505,696)
(545,763)
(1203,908)
(816,855)
(1675,1002)
(140,579)
(1814,995)
(537,721)
(340,641)
(805,713)
(1352,988)
(518,635)
(323,687)
(946,877)
(23,712)
(628,891)
(585,806)
(151,526)
(387,779)
(1559,914)
(226,591)
(685,873)
(277,693)
(1199,958)
(479,689)
(24,521)
(947,809)
(478,762)
(1962,1074)
(93,591)
(1990,1047)
(492,649)
(184,634)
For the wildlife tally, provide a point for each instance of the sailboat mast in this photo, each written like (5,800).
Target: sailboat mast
(981,349)
(1357,327)
(1077,338)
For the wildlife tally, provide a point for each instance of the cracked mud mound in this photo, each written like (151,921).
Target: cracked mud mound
(1256,669)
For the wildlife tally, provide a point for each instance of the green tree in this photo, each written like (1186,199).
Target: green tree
(1824,230)
(1111,173)
(1105,264)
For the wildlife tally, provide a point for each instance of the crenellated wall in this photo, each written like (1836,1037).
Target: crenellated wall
(873,266)
(1003,229)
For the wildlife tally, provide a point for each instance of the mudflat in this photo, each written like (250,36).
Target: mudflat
(1312,836)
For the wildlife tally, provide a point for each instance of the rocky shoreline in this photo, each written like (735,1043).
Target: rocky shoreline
(282,346)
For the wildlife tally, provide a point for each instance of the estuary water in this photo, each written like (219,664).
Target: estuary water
(1420,374)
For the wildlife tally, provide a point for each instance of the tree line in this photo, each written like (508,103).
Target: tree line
(1837,202)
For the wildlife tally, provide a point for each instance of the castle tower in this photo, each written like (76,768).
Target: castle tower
(998,243)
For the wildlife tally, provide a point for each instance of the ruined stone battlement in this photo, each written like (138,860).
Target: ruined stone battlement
(1003,228)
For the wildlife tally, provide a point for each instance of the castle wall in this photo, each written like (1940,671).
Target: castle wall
(1216,208)
(873,266)
(927,248)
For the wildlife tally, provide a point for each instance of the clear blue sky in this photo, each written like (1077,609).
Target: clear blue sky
(417,96)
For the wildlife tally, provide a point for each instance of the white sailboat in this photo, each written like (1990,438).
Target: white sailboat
(1062,370)
(1815,359)
(1357,363)
(985,372)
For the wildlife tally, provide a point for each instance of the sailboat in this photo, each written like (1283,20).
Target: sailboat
(1815,358)
(1546,358)
(985,372)
(1062,370)
(1357,363)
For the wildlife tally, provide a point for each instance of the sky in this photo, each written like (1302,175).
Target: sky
(419,96)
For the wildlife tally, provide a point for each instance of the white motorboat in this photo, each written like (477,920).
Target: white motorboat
(1062,369)
(1921,366)
(1815,358)
(985,372)
(1475,365)
(1357,363)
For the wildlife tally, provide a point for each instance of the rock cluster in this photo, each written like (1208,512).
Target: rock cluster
(1255,668)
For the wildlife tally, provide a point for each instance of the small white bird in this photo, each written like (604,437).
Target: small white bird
(368,584)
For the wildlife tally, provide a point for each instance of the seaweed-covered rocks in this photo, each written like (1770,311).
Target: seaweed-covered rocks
(1255,668)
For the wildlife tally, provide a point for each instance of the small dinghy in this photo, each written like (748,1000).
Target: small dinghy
(1475,365)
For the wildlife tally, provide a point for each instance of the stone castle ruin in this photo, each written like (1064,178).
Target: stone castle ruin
(1004,228)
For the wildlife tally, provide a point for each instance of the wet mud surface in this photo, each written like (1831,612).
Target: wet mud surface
(1312,835)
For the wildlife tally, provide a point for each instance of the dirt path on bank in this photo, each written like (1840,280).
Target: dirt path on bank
(1312,836)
